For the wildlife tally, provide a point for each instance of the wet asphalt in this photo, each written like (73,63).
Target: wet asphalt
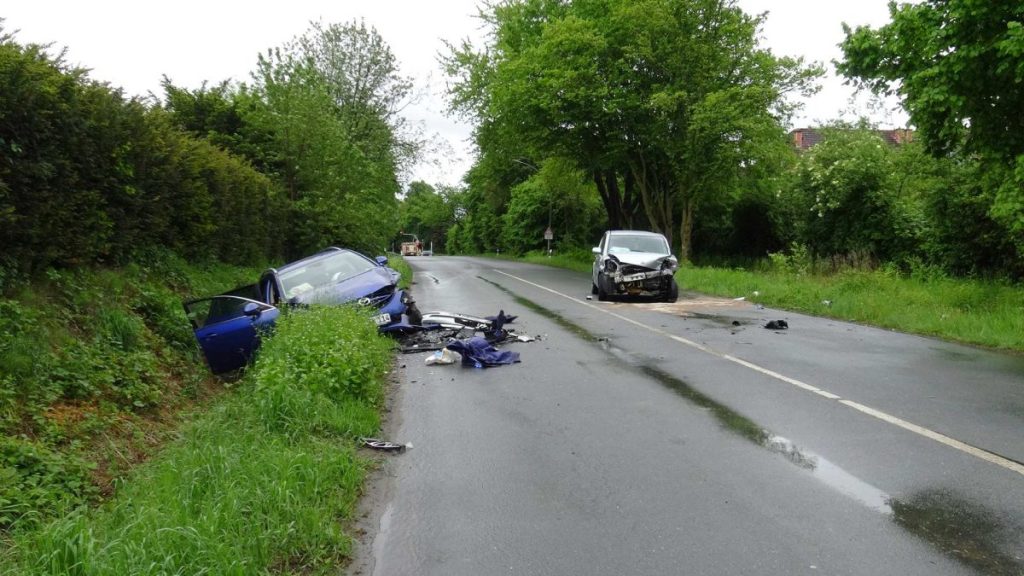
(643,438)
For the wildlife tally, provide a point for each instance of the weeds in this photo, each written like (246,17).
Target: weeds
(75,340)
(256,485)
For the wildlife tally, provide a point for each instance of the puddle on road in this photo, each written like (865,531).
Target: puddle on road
(958,528)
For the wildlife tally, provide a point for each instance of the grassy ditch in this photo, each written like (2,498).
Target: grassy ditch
(259,484)
(96,366)
(986,313)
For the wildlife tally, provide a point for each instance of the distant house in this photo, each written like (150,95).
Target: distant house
(806,138)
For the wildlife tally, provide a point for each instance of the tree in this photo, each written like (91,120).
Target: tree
(958,66)
(330,99)
(660,100)
(428,213)
(851,198)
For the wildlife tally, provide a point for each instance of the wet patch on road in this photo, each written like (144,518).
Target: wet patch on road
(553,316)
(962,530)
(959,528)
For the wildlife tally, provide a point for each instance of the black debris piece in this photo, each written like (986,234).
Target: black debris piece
(777,325)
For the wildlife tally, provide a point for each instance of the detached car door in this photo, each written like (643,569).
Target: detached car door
(228,328)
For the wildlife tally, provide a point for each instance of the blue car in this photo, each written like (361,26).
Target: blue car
(228,326)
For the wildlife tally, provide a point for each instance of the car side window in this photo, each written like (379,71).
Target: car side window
(218,309)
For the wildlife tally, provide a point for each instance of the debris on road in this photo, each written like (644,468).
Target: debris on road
(777,325)
(443,357)
(384,445)
(431,338)
(480,353)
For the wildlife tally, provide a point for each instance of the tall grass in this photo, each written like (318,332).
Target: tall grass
(986,313)
(259,484)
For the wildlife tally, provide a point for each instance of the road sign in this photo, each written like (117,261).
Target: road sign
(549,234)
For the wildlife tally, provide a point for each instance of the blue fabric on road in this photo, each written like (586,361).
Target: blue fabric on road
(479,353)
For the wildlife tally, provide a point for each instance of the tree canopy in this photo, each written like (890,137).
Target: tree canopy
(661,101)
(958,66)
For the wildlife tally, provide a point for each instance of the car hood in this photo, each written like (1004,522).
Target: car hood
(350,289)
(645,259)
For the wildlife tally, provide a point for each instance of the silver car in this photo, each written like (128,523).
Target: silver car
(634,263)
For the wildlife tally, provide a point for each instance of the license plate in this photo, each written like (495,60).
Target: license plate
(382,319)
(634,277)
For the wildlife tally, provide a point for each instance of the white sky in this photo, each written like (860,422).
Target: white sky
(132,44)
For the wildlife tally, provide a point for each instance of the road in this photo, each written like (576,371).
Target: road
(645,438)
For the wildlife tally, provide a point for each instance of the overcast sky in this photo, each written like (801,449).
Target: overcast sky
(132,44)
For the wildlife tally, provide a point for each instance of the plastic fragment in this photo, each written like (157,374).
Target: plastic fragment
(384,445)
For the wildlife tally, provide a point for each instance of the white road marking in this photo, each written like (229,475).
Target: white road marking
(895,421)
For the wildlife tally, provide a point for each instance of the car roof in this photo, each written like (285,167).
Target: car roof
(634,233)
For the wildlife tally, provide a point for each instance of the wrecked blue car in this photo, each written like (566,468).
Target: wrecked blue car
(228,326)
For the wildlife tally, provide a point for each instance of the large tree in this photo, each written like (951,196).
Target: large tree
(958,66)
(660,100)
(331,99)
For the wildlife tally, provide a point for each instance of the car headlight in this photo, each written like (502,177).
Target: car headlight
(611,265)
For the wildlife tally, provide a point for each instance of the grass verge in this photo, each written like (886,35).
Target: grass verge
(259,484)
(97,366)
(972,311)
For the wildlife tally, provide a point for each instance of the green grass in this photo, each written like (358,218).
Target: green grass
(397,262)
(972,311)
(95,363)
(981,312)
(579,260)
(261,484)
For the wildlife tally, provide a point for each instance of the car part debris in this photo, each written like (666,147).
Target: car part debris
(431,338)
(501,319)
(384,445)
(452,320)
(444,356)
(525,338)
(777,325)
(479,353)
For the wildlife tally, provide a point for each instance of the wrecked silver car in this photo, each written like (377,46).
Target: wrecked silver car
(634,263)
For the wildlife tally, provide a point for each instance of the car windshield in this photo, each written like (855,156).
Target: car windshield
(322,272)
(620,243)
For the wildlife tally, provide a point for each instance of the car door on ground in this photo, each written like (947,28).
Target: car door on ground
(228,328)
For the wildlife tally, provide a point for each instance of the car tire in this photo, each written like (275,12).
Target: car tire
(601,294)
(415,317)
(593,288)
(672,294)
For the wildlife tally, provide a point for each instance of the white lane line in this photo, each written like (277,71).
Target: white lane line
(895,421)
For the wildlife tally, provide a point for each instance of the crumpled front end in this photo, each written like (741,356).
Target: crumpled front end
(639,274)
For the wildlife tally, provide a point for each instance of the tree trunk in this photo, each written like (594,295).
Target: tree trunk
(686,230)
(610,199)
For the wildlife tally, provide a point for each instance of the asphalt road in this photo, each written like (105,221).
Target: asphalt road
(643,438)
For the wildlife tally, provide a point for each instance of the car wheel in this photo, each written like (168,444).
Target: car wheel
(672,294)
(601,294)
(593,288)
(415,317)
